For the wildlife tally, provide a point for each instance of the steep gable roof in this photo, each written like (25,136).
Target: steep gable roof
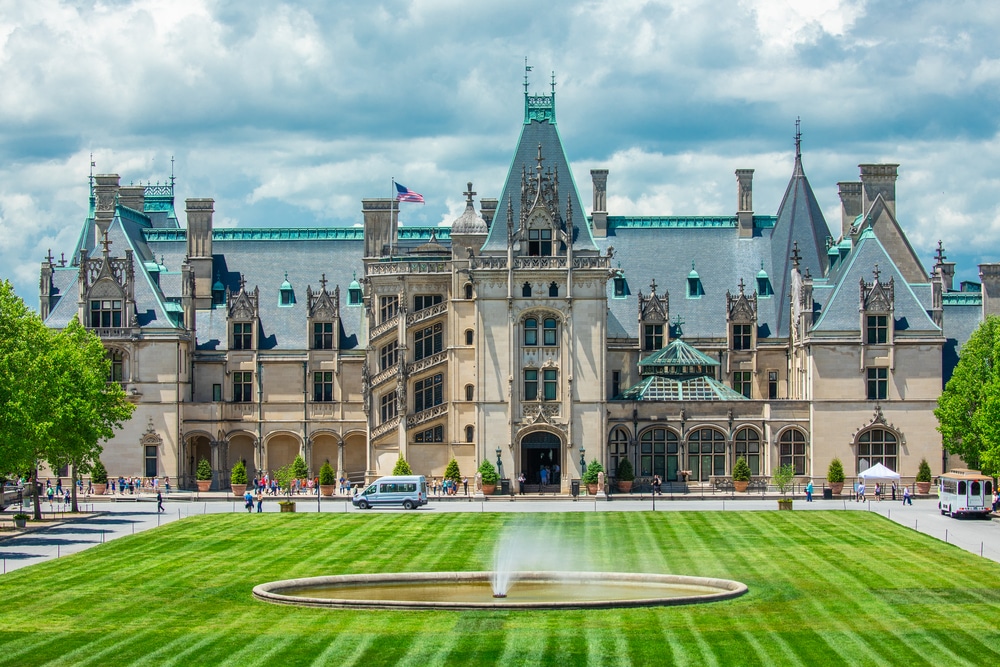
(880,219)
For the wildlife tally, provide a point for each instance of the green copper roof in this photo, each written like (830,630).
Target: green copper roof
(677,359)
(660,388)
(265,234)
(684,221)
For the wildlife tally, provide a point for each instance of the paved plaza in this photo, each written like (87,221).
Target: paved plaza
(108,519)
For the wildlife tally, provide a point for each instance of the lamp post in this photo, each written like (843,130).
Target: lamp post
(583,461)
(499,463)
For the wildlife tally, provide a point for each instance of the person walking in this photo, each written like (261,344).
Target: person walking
(521,479)
(809,492)
(656,485)
(465,485)
(248,501)
(894,490)
(159,501)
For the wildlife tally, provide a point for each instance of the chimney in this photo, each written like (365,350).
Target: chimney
(744,202)
(381,217)
(989,274)
(487,209)
(106,197)
(878,179)
(199,248)
(133,196)
(599,177)
(850,205)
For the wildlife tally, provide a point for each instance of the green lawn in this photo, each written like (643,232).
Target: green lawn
(825,588)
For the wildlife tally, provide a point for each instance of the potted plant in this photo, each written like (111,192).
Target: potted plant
(452,472)
(20,520)
(626,475)
(741,475)
(284,475)
(327,479)
(782,477)
(590,477)
(203,475)
(99,478)
(489,476)
(300,470)
(402,467)
(238,479)
(835,476)
(923,478)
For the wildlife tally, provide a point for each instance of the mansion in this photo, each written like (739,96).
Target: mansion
(533,332)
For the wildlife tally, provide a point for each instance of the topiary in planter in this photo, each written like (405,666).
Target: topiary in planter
(625,475)
(402,467)
(204,472)
(741,470)
(299,467)
(452,472)
(326,475)
(488,473)
(835,476)
(239,474)
(98,473)
(593,468)
(924,471)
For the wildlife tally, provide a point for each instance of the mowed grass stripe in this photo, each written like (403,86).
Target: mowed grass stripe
(344,649)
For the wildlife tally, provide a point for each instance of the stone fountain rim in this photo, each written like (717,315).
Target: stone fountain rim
(271,591)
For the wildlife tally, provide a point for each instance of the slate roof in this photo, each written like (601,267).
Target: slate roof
(840,311)
(534,133)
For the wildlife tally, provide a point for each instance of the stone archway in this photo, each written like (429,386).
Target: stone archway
(541,450)
(199,447)
(281,451)
(356,457)
(241,448)
(324,448)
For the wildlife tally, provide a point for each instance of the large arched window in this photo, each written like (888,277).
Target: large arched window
(878,446)
(747,446)
(706,453)
(658,454)
(792,450)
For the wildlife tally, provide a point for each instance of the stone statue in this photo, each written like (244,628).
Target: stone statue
(600,482)
(479,481)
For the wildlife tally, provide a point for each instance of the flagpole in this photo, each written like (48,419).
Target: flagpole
(394,224)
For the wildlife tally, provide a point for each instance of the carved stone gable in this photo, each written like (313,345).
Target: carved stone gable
(243,306)
(878,297)
(741,308)
(654,309)
(151,437)
(324,306)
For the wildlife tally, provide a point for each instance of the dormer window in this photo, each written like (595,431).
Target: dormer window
(877,329)
(540,242)
(764,288)
(218,293)
(286,295)
(106,313)
(619,283)
(354,293)
(742,339)
(242,335)
(694,287)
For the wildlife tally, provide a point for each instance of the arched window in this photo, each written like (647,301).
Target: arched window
(469,392)
(658,454)
(878,446)
(470,432)
(468,290)
(526,289)
(553,289)
(706,453)
(792,450)
(747,447)
(469,336)
(617,449)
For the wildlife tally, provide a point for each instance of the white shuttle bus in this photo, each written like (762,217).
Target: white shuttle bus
(963,491)
(410,491)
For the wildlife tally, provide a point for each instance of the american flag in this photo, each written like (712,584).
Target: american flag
(405,194)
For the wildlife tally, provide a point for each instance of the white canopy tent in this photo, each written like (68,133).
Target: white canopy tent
(879,473)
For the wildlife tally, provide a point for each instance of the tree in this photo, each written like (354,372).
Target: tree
(969,407)
(299,467)
(401,467)
(204,470)
(239,473)
(593,468)
(835,473)
(285,475)
(741,470)
(326,475)
(782,477)
(487,472)
(923,471)
(452,472)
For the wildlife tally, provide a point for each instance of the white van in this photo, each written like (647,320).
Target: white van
(409,491)
(965,492)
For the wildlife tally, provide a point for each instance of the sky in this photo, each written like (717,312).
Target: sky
(288,114)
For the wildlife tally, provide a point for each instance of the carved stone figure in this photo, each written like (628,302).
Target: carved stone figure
(600,482)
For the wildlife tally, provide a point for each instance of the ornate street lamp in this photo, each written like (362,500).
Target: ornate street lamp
(499,463)
(583,461)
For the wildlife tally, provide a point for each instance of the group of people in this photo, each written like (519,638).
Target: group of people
(880,490)
(548,475)
(449,487)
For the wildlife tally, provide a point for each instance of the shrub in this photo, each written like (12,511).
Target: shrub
(239,474)
(625,472)
(98,473)
(452,472)
(402,467)
(741,470)
(285,475)
(590,477)
(835,473)
(21,516)
(488,472)
(924,471)
(782,477)
(299,467)
(326,475)
(204,471)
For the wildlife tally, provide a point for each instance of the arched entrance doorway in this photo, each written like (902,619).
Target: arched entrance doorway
(540,451)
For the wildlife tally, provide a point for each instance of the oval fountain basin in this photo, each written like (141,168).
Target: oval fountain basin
(472,590)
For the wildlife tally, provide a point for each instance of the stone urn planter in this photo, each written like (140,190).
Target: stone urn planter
(740,486)
(238,489)
(836,487)
(489,489)
(327,489)
(100,489)
(785,504)
(625,487)
(204,484)
(286,506)
(20,521)
(923,488)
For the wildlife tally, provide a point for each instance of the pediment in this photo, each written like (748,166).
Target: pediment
(106,288)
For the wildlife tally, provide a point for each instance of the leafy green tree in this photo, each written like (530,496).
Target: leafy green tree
(401,467)
(452,472)
(782,477)
(285,475)
(968,409)
(299,467)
